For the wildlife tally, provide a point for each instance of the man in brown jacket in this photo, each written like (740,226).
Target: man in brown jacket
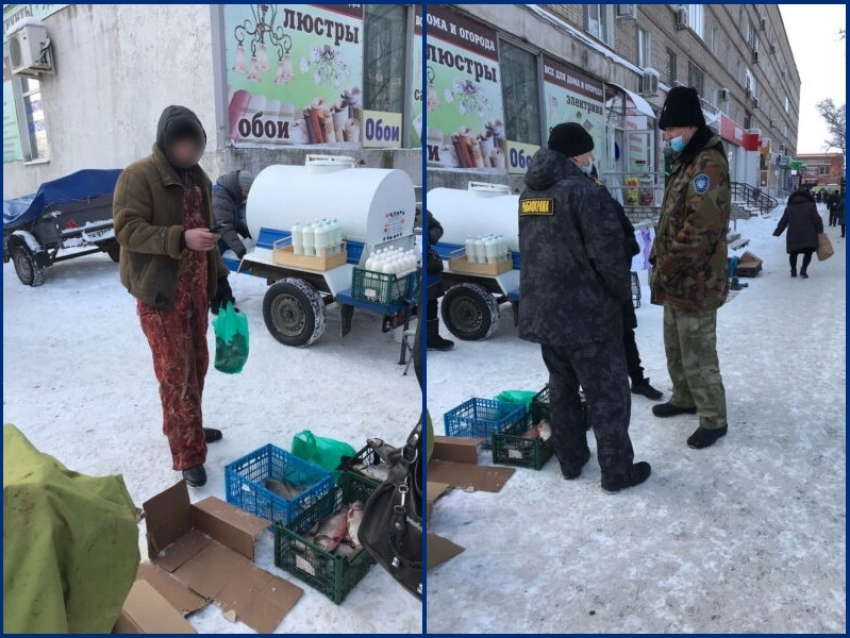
(170,264)
(689,258)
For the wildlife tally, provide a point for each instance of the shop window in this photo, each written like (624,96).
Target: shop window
(520,89)
(384,52)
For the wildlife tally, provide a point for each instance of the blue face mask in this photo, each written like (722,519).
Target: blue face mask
(677,144)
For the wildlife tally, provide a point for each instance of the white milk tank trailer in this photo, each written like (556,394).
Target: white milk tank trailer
(328,232)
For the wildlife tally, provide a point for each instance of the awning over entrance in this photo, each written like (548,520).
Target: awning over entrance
(642,106)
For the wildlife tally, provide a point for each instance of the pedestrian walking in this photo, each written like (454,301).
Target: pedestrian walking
(573,286)
(689,258)
(170,264)
(804,224)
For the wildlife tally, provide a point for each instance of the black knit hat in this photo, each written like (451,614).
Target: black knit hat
(570,139)
(681,108)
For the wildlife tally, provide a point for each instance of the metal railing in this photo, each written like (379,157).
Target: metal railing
(752,197)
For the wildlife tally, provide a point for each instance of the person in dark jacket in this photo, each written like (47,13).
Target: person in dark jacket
(435,287)
(640,384)
(840,205)
(804,224)
(572,287)
(832,206)
(169,263)
(229,196)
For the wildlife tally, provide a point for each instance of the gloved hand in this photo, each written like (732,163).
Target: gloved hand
(249,244)
(240,253)
(223,294)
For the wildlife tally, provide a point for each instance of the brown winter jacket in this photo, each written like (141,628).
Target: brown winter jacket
(690,253)
(148,215)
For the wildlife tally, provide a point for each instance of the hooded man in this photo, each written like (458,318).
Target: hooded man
(170,265)
(229,196)
(690,270)
(572,288)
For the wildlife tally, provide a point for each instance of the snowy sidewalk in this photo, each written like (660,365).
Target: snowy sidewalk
(78,381)
(747,536)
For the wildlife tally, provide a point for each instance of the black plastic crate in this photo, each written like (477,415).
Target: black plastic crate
(382,288)
(245,483)
(540,407)
(367,458)
(485,417)
(333,575)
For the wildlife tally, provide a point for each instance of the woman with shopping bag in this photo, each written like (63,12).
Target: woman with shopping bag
(804,226)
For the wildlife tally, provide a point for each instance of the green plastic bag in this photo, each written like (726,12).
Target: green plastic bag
(321,451)
(517,396)
(231,340)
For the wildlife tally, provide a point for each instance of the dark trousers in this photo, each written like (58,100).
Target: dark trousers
(833,216)
(600,369)
(632,354)
(842,230)
(807,259)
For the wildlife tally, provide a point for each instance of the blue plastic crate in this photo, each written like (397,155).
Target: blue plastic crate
(245,484)
(483,418)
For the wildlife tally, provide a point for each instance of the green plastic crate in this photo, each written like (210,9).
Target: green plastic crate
(334,576)
(540,406)
(382,288)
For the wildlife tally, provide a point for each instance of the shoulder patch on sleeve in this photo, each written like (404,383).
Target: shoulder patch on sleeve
(702,182)
(543,206)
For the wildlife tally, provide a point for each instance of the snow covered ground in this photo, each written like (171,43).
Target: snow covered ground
(78,381)
(747,536)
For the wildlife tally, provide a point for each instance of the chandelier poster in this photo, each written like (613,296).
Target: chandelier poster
(463,96)
(294,74)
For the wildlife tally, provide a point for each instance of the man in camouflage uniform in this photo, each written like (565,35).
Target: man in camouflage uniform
(573,286)
(689,257)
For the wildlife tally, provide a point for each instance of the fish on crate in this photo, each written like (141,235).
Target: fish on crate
(354,519)
(542,431)
(284,489)
(332,531)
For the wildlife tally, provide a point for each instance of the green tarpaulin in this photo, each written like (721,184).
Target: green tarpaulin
(70,544)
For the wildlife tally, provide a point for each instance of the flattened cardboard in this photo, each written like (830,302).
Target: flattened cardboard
(441,550)
(456,448)
(435,491)
(213,558)
(183,599)
(146,611)
(469,477)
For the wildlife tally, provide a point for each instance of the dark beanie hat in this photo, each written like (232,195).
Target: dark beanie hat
(570,139)
(681,108)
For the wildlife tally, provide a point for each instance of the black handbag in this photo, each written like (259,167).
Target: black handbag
(391,529)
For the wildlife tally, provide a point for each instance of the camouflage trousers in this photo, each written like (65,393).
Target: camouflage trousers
(600,369)
(690,339)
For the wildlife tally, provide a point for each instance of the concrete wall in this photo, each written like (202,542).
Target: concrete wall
(117,67)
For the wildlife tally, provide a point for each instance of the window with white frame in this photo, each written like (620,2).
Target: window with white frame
(750,84)
(696,18)
(787,104)
(31,118)
(599,19)
(643,48)
(715,40)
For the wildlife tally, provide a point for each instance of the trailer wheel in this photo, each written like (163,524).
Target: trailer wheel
(294,312)
(28,270)
(470,312)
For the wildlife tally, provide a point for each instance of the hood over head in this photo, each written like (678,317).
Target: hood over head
(178,122)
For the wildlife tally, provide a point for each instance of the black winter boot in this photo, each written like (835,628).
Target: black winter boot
(212,435)
(573,473)
(666,410)
(640,472)
(435,341)
(793,272)
(704,438)
(195,476)
(643,388)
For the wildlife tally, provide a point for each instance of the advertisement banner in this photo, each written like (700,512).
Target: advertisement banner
(13,13)
(463,97)
(519,156)
(416,116)
(294,74)
(572,96)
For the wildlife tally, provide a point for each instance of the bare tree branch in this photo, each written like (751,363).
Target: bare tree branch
(836,121)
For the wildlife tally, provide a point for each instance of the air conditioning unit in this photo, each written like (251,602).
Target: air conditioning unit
(723,95)
(763,24)
(682,18)
(628,11)
(649,83)
(29,50)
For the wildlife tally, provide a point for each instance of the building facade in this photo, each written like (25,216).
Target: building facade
(822,170)
(609,67)
(271,83)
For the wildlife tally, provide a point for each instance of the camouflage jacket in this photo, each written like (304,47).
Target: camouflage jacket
(573,282)
(690,252)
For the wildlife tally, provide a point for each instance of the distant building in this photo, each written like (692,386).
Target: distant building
(609,67)
(822,169)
